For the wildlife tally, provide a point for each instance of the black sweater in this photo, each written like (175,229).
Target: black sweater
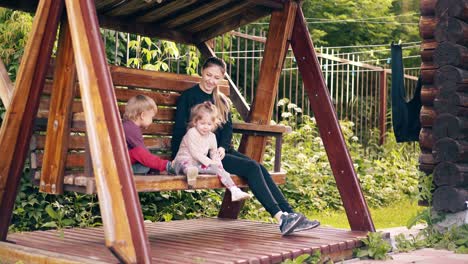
(186,101)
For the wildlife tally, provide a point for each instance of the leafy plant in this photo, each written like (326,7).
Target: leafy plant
(375,247)
(315,258)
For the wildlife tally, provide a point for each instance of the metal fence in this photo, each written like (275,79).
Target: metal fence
(355,86)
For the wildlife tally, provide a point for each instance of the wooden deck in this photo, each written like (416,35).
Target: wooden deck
(207,240)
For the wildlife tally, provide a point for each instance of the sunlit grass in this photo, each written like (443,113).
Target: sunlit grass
(392,216)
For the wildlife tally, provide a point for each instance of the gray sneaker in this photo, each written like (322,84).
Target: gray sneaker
(289,222)
(307,224)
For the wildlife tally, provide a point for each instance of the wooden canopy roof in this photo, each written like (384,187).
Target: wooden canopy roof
(183,21)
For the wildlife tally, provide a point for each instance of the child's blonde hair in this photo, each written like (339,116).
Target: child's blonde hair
(137,105)
(196,113)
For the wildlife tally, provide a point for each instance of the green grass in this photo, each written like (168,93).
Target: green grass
(392,216)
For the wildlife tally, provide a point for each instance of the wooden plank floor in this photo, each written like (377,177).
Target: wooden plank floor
(207,240)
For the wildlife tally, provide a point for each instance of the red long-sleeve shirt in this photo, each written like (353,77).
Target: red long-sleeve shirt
(137,149)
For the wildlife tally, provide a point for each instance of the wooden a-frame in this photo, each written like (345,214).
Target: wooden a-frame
(120,208)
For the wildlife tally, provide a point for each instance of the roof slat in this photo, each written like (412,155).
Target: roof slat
(164,11)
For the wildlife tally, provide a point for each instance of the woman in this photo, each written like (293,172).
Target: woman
(258,178)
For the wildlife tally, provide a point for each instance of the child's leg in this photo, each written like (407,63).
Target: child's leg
(188,169)
(218,170)
(140,169)
(225,178)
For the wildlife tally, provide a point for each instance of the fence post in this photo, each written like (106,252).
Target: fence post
(383,106)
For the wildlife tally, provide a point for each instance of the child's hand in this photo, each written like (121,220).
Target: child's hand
(221,153)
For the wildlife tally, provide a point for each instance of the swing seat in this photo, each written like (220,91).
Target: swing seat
(164,88)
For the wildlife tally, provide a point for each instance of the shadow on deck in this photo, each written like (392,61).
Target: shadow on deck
(208,240)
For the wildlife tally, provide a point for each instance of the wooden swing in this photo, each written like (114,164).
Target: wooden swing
(53,114)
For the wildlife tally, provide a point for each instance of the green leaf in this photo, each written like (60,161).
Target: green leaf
(50,211)
(50,224)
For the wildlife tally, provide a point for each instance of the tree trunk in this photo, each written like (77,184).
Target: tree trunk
(451,174)
(451,54)
(448,125)
(450,79)
(428,94)
(427,7)
(450,199)
(449,149)
(452,8)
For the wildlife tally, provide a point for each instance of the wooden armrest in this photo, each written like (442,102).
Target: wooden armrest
(249,127)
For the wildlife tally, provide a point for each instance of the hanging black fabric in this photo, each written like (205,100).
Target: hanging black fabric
(405,115)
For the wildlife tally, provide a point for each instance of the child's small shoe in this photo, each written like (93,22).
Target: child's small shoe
(239,195)
(192,174)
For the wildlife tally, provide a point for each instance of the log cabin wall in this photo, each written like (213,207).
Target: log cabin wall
(444,114)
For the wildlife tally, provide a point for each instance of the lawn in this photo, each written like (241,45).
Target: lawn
(392,216)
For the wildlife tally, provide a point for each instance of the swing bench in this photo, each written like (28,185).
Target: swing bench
(164,88)
(76,141)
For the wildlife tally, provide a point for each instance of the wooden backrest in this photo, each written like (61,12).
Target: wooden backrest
(163,87)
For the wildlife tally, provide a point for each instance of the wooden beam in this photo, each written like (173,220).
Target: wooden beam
(276,47)
(159,13)
(214,19)
(145,29)
(342,166)
(195,12)
(226,24)
(60,111)
(235,95)
(6,86)
(119,202)
(17,126)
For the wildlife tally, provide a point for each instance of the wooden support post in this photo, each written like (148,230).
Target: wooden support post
(383,106)
(6,87)
(58,124)
(342,166)
(275,51)
(17,126)
(276,47)
(234,93)
(119,202)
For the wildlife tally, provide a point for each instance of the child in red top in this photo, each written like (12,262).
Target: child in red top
(139,113)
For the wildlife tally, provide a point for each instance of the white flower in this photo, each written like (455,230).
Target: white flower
(291,106)
(354,138)
(286,115)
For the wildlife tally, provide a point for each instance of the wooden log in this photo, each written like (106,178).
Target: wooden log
(427,7)
(448,53)
(450,199)
(427,26)
(120,207)
(427,50)
(16,130)
(427,73)
(58,126)
(428,94)
(427,116)
(342,166)
(449,149)
(426,139)
(451,103)
(448,125)
(450,79)
(6,86)
(452,8)
(426,162)
(453,30)
(451,174)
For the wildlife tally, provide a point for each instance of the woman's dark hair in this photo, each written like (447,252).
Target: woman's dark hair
(214,61)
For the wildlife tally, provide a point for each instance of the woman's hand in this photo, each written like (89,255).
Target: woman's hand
(221,153)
